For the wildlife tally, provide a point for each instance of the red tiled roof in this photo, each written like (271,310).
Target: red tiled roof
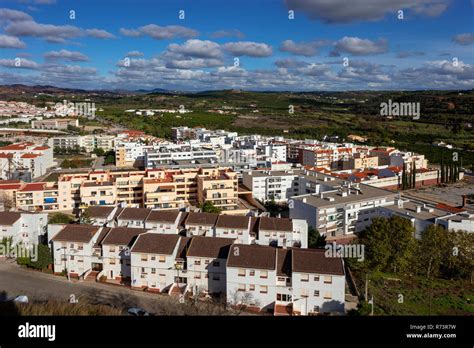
(41,148)
(30,155)
(33,187)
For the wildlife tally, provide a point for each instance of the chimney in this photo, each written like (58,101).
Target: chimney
(418,208)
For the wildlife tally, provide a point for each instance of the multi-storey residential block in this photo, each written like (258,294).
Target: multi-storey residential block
(342,211)
(285,281)
(98,193)
(41,196)
(26,157)
(272,185)
(220,187)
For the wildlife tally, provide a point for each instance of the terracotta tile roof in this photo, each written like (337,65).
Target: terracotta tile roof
(202,219)
(30,155)
(155,243)
(275,224)
(134,214)
(183,248)
(315,261)
(33,187)
(233,221)
(101,237)
(212,247)
(10,186)
(76,233)
(168,216)
(283,260)
(252,256)
(8,218)
(99,211)
(122,236)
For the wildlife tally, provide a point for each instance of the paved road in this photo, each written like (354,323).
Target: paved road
(38,286)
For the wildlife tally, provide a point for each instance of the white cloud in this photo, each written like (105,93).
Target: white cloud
(360,47)
(72,56)
(161,33)
(247,48)
(11,42)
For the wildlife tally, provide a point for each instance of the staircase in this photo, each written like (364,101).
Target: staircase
(91,277)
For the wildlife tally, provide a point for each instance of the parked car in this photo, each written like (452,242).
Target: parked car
(18,299)
(138,312)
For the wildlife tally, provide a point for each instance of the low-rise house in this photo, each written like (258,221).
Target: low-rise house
(100,215)
(133,217)
(116,252)
(200,224)
(23,227)
(153,261)
(285,281)
(237,227)
(73,248)
(206,265)
(163,221)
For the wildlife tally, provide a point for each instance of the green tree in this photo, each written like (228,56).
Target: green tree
(432,250)
(315,239)
(44,258)
(377,243)
(60,218)
(209,207)
(402,244)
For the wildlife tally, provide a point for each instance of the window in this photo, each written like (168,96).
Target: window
(80,247)
(263,289)
(144,257)
(216,264)
(316,309)
(241,287)
(197,276)
(153,270)
(327,296)
(304,277)
(284,297)
(281,279)
(327,280)
(71,258)
(162,258)
(71,246)
(252,272)
(143,269)
(197,262)
(153,258)
(251,287)
(264,274)
(112,262)
(241,272)
(316,278)
(216,277)
(316,293)
(206,262)
(112,249)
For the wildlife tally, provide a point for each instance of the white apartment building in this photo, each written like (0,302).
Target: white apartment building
(23,227)
(462,221)
(25,157)
(342,211)
(285,281)
(269,185)
(164,221)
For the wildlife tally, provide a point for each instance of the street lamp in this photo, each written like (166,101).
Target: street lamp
(66,262)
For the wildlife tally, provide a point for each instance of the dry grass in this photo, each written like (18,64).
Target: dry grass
(57,308)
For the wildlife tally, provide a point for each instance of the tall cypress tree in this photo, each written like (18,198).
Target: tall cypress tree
(414,174)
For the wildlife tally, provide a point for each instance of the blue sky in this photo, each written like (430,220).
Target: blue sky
(329,45)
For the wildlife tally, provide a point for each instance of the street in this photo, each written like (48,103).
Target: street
(15,280)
